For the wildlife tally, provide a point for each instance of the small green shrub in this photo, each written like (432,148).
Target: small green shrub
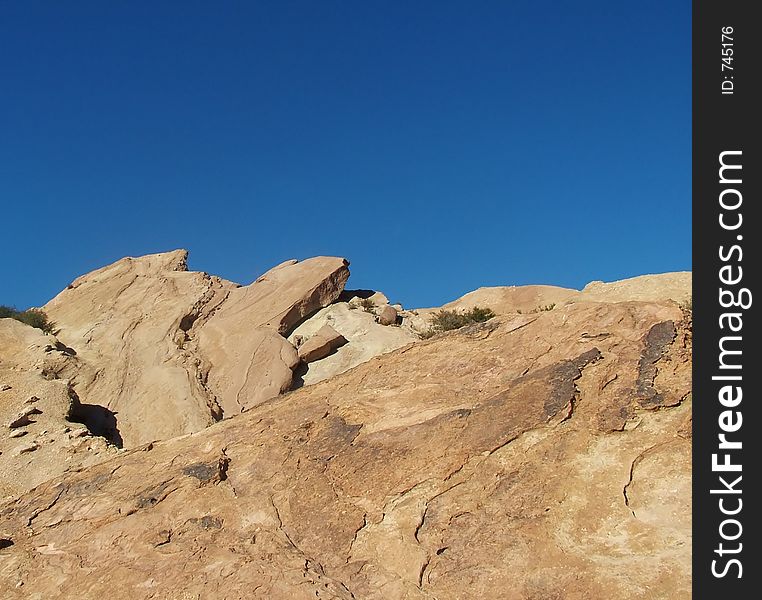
(447,320)
(33,317)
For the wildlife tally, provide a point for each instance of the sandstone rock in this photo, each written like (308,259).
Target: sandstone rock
(27,358)
(249,359)
(367,339)
(535,298)
(493,461)
(387,315)
(128,324)
(320,345)
(5,387)
(26,448)
(644,288)
(152,338)
(23,418)
(17,433)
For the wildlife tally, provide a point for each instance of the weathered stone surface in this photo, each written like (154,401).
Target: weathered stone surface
(30,447)
(539,298)
(249,361)
(387,315)
(31,364)
(366,338)
(167,351)
(128,324)
(644,288)
(483,463)
(320,345)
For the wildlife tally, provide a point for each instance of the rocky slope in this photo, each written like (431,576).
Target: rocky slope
(39,437)
(543,454)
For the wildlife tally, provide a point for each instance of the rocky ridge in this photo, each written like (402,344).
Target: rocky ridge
(543,454)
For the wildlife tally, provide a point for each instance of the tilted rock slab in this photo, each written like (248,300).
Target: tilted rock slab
(249,358)
(532,456)
(171,351)
(320,345)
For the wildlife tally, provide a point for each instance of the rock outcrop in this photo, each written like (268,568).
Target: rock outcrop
(535,298)
(366,337)
(243,345)
(40,437)
(536,455)
(170,351)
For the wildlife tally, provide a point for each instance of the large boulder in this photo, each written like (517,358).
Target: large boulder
(129,323)
(366,338)
(387,315)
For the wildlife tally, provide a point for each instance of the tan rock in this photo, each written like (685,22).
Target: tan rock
(367,339)
(26,448)
(387,315)
(29,362)
(539,298)
(128,324)
(20,420)
(645,288)
(320,345)
(152,338)
(493,461)
(249,359)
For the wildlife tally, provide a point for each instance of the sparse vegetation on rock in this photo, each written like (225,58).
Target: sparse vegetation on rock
(448,320)
(33,317)
(461,458)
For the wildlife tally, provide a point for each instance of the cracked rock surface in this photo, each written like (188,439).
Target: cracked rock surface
(534,456)
(38,437)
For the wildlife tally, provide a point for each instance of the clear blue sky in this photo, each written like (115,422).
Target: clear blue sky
(440,146)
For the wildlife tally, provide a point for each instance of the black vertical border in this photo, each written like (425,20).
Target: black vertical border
(725,122)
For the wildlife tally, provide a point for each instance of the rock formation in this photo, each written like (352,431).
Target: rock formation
(40,437)
(366,337)
(320,345)
(541,454)
(171,351)
(242,343)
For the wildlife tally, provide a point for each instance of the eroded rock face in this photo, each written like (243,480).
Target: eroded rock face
(542,455)
(249,360)
(39,438)
(170,351)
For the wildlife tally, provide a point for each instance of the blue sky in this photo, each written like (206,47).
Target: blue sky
(440,146)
